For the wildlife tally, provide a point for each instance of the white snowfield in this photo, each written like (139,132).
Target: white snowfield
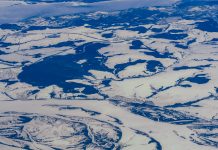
(131,81)
(102,80)
(161,87)
(43,134)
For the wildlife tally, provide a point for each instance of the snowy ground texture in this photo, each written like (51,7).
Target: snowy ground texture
(109,74)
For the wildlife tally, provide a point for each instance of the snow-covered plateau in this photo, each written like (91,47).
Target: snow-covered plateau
(108,74)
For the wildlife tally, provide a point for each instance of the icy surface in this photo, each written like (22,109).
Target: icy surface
(109,74)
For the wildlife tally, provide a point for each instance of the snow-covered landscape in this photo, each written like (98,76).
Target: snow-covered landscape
(109,74)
